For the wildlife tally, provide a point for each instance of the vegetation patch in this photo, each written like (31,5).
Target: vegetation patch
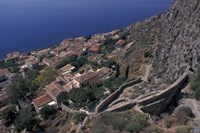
(79,117)
(25,120)
(48,112)
(195,84)
(131,121)
(183,114)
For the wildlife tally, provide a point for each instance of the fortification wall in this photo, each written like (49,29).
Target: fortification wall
(105,103)
(172,89)
(155,103)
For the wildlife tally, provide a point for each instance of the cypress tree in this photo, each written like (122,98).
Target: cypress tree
(117,71)
(127,72)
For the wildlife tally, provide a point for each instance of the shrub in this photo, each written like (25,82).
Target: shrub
(147,54)
(79,117)
(168,122)
(183,114)
(125,121)
(25,120)
(195,84)
(124,35)
(182,130)
(9,114)
(47,75)
(48,112)
(109,41)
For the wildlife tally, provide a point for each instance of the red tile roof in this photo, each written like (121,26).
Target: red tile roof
(121,43)
(95,48)
(4,72)
(13,55)
(41,101)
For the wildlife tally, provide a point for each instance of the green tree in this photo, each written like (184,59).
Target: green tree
(47,75)
(9,114)
(79,117)
(127,72)
(48,112)
(109,63)
(195,84)
(25,120)
(68,60)
(83,97)
(109,41)
(18,89)
(80,62)
(117,71)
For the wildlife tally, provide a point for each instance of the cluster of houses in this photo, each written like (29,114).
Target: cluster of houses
(5,79)
(66,81)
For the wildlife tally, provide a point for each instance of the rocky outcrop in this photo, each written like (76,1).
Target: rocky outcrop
(171,39)
(178,40)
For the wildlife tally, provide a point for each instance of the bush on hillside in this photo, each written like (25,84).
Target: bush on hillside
(79,117)
(125,121)
(48,112)
(183,114)
(25,120)
(195,84)
(9,114)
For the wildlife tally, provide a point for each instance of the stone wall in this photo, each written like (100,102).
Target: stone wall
(161,102)
(67,109)
(122,106)
(166,92)
(155,103)
(105,103)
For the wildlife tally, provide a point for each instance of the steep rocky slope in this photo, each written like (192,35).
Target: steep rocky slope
(179,39)
(172,39)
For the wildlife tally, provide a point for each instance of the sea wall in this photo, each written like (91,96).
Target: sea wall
(105,103)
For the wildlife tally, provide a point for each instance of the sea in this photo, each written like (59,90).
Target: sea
(27,25)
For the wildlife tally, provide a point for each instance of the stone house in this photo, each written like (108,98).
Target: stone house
(60,48)
(13,55)
(56,92)
(66,69)
(103,72)
(31,62)
(49,62)
(90,78)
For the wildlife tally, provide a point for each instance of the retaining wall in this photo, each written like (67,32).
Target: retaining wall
(67,109)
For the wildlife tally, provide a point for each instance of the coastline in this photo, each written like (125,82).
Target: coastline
(59,43)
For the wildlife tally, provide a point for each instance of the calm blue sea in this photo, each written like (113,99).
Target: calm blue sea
(27,25)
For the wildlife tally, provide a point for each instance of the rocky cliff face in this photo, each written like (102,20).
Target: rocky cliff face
(172,38)
(179,39)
